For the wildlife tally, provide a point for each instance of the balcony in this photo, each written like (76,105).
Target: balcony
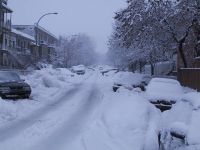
(7,25)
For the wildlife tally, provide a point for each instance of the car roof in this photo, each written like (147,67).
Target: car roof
(165,80)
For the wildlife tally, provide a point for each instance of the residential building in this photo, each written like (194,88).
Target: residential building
(5,32)
(45,42)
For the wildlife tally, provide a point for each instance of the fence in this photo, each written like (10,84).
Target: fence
(190,77)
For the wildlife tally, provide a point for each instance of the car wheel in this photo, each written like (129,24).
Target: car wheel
(26,96)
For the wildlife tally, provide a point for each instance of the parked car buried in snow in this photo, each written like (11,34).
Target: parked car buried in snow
(11,86)
(130,80)
(181,125)
(80,69)
(163,92)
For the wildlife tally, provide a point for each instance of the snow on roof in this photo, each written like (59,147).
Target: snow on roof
(23,34)
(43,29)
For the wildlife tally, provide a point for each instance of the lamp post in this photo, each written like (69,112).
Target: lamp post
(37,24)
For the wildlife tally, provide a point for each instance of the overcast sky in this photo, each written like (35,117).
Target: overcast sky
(94,17)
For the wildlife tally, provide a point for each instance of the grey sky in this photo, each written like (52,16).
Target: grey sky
(93,17)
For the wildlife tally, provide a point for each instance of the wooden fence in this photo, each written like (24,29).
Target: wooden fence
(190,77)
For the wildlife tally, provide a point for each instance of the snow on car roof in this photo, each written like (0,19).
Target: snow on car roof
(128,78)
(164,89)
(166,80)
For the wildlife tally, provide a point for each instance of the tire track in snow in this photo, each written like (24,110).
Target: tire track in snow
(14,128)
(73,126)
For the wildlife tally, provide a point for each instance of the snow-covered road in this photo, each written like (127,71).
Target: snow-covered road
(55,125)
(68,111)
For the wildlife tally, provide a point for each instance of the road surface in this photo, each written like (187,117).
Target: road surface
(54,126)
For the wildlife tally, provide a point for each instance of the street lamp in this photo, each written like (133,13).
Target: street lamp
(37,24)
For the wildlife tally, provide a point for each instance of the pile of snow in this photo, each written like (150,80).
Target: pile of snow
(164,89)
(47,84)
(193,98)
(126,121)
(11,110)
(128,79)
(179,128)
(183,119)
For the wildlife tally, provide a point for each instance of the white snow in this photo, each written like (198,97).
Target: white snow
(179,128)
(128,79)
(164,89)
(23,34)
(78,68)
(183,119)
(68,111)
(193,98)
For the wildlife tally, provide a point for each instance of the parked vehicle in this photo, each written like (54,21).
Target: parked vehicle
(138,82)
(80,69)
(12,86)
(182,125)
(163,92)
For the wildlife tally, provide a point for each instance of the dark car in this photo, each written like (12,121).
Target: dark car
(12,86)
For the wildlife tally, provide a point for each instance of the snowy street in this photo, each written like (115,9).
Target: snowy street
(59,121)
(100,75)
(70,111)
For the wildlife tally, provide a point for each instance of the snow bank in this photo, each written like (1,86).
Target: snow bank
(193,98)
(183,119)
(126,121)
(46,84)
(179,128)
(11,110)
(7,111)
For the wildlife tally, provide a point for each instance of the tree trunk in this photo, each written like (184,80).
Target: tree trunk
(152,69)
(180,49)
(140,65)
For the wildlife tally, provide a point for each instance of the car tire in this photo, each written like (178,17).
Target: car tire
(26,96)
(3,96)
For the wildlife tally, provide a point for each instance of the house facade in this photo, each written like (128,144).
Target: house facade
(5,32)
(46,42)
(23,45)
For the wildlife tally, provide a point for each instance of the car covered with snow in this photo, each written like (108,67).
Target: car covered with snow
(181,124)
(130,80)
(80,69)
(163,92)
(107,69)
(12,86)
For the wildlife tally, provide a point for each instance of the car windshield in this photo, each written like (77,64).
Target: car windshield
(9,76)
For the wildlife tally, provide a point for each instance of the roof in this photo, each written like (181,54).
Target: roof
(23,34)
(39,27)
(43,29)
(7,8)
